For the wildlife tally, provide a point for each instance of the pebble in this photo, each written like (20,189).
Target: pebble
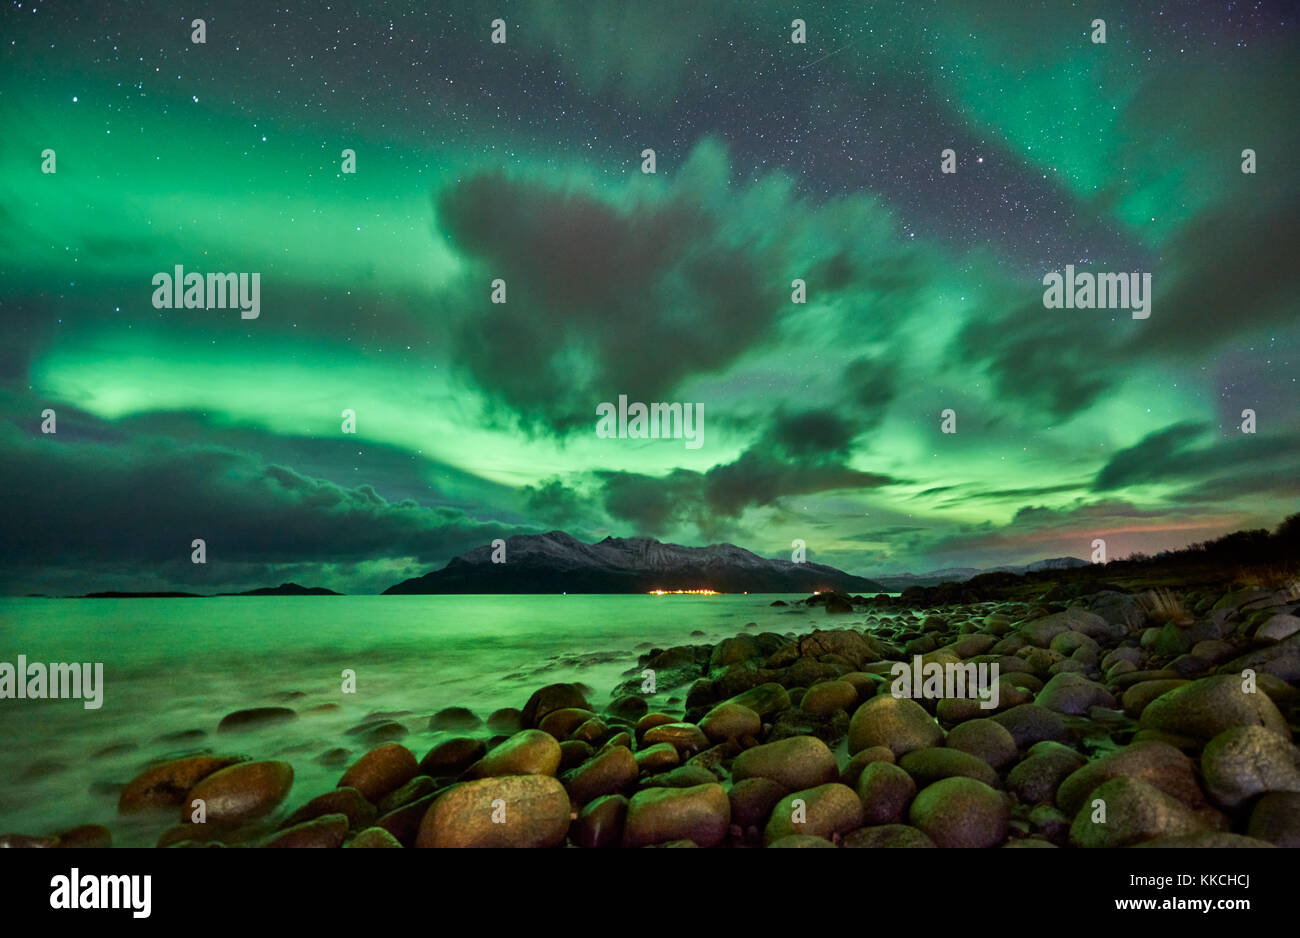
(1135,811)
(535,808)
(380,771)
(507,720)
(650,721)
(1036,778)
(684,737)
(404,822)
(1276,819)
(729,721)
(345,801)
(373,837)
(1246,761)
(325,831)
(454,718)
(765,699)
(985,739)
(1156,763)
(86,837)
(552,697)
(686,776)
(860,760)
(1029,723)
(933,763)
(560,723)
(600,823)
(657,815)
(1073,694)
(961,812)
(885,791)
(896,722)
(592,730)
(825,698)
(1137,696)
(413,790)
(607,774)
(452,756)
(1280,626)
(240,792)
(656,757)
(574,752)
(752,801)
(797,763)
(528,752)
(628,707)
(255,717)
(1205,708)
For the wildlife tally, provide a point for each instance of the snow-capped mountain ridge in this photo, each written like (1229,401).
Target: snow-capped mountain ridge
(558,562)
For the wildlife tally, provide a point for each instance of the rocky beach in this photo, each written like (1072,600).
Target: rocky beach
(1159,716)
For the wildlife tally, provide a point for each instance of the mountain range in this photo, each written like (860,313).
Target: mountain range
(557,562)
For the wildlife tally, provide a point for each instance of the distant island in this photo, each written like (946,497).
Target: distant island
(557,562)
(284,589)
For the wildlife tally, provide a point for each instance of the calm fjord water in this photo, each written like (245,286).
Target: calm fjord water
(177,666)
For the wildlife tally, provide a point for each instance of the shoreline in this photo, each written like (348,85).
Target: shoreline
(1136,700)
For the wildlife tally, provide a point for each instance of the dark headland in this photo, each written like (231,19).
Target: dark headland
(284,589)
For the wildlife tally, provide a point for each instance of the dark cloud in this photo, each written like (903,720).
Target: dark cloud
(758,478)
(1229,273)
(601,301)
(552,502)
(871,384)
(1280,484)
(29,328)
(1169,456)
(1150,459)
(799,454)
(1052,360)
(814,434)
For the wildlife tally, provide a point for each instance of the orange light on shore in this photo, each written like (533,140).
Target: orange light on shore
(683,593)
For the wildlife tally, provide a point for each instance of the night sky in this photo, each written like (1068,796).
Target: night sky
(522,160)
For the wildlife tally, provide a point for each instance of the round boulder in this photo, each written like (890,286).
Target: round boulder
(961,812)
(826,811)
(241,792)
(797,763)
(897,722)
(528,752)
(509,811)
(701,814)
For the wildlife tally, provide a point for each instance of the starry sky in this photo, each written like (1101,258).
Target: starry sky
(522,161)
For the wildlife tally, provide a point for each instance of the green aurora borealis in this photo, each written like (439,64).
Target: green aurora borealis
(522,161)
